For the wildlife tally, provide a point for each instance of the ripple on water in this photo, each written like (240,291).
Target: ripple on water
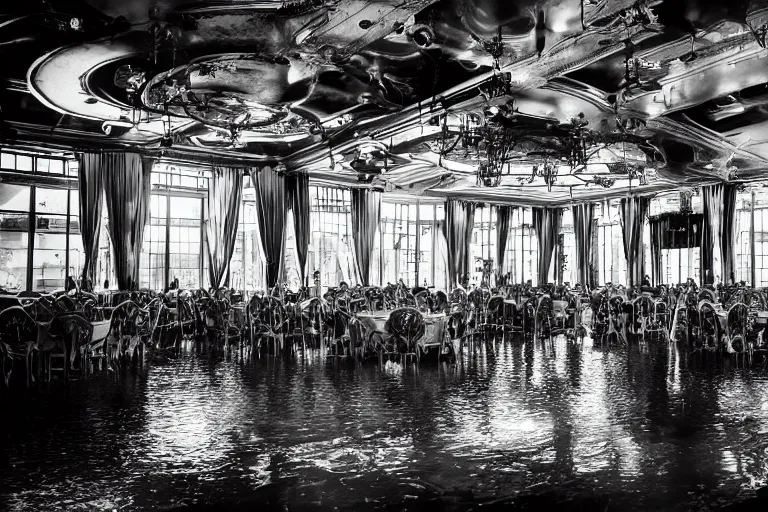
(641,428)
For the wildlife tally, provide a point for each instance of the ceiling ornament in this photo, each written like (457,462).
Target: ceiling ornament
(547,170)
(757,21)
(686,201)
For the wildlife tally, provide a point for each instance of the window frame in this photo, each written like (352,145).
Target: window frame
(35,179)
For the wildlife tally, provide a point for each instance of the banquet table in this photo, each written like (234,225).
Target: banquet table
(434,331)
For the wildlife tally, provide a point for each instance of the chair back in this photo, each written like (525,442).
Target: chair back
(406,324)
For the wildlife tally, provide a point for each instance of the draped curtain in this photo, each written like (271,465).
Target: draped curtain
(459,222)
(225,191)
(298,191)
(583,221)
(546,222)
(127,188)
(91,189)
(366,216)
(658,228)
(503,217)
(633,211)
(271,211)
(719,240)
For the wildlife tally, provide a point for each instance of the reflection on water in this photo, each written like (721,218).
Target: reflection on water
(627,428)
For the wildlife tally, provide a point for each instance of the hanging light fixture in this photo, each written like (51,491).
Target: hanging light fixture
(547,170)
(167,140)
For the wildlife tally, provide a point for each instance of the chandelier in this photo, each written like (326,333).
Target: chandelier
(547,170)
(686,201)
(603,181)
(576,141)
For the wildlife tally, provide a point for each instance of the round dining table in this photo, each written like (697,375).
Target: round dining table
(434,331)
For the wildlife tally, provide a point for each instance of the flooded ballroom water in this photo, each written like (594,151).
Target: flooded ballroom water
(568,426)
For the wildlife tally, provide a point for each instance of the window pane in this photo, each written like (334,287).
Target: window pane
(43,165)
(331,240)
(8,161)
(13,260)
(291,273)
(49,261)
(56,167)
(426,249)
(185,213)
(152,270)
(50,200)
(14,198)
(23,163)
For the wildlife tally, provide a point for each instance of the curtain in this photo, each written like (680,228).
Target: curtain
(459,222)
(658,228)
(729,227)
(441,250)
(583,222)
(90,185)
(633,211)
(718,245)
(271,211)
(366,216)
(503,217)
(298,192)
(127,190)
(546,222)
(712,201)
(225,192)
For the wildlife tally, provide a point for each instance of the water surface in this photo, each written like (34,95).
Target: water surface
(567,426)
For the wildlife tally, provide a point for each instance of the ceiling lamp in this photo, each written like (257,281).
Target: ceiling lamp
(547,170)
(603,181)
(167,140)
(686,202)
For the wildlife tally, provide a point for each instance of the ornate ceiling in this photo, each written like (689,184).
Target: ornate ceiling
(523,102)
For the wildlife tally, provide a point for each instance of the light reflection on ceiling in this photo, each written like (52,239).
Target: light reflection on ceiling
(368,93)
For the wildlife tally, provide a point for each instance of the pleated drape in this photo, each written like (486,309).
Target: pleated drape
(90,184)
(718,240)
(503,217)
(459,222)
(729,228)
(712,202)
(366,215)
(225,192)
(127,190)
(658,228)
(298,191)
(633,211)
(546,222)
(271,211)
(583,221)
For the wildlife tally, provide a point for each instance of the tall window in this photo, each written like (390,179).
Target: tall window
(432,261)
(185,248)
(761,240)
(399,229)
(612,265)
(14,236)
(153,249)
(483,244)
(50,258)
(681,264)
(570,262)
(290,271)
(522,253)
(411,244)
(330,249)
(247,268)
(38,221)
(743,242)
